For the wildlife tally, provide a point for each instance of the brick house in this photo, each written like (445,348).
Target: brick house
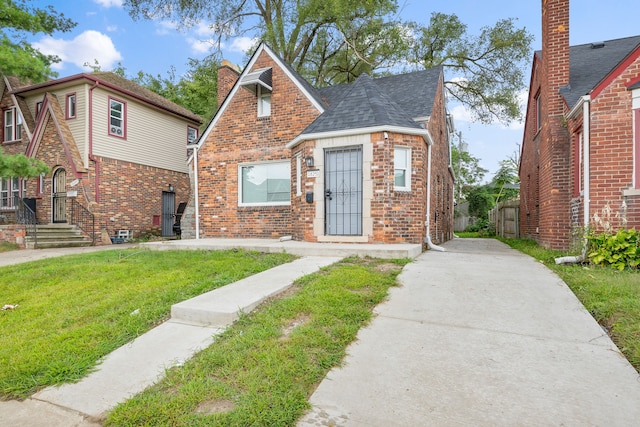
(364,162)
(581,147)
(114,149)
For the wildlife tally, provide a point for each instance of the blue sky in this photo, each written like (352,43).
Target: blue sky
(106,33)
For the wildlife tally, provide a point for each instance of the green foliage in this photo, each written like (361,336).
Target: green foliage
(20,166)
(488,68)
(619,250)
(467,171)
(17,57)
(481,201)
(74,310)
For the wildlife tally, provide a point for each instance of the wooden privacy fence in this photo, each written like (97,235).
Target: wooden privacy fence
(506,217)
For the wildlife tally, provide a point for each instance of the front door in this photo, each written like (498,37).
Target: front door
(59,202)
(343,191)
(168,212)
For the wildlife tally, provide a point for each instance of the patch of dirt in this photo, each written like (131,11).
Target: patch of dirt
(286,331)
(217,406)
(386,267)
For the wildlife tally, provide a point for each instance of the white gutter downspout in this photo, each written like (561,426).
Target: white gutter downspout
(195,183)
(586,178)
(427,239)
(586,119)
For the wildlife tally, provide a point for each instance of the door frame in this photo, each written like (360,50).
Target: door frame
(59,198)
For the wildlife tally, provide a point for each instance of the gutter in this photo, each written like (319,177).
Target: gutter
(91,157)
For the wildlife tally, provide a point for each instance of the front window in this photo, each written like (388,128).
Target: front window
(264,184)
(402,168)
(9,190)
(117,117)
(12,125)
(71,106)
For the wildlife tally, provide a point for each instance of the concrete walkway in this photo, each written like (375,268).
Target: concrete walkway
(480,335)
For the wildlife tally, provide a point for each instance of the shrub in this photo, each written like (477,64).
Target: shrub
(619,250)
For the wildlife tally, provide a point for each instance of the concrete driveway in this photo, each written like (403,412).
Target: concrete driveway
(480,335)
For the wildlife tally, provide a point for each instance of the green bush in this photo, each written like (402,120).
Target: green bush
(619,250)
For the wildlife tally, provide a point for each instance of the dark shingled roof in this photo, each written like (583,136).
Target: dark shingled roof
(590,64)
(386,101)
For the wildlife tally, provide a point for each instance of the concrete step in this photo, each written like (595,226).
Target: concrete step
(222,306)
(58,236)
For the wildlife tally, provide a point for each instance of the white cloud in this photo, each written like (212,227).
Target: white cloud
(112,28)
(109,3)
(461,113)
(242,44)
(200,46)
(85,48)
(166,27)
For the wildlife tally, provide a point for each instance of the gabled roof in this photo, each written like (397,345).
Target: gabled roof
(362,105)
(117,83)
(591,63)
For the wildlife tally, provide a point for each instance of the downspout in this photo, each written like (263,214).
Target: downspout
(427,238)
(91,157)
(586,179)
(195,183)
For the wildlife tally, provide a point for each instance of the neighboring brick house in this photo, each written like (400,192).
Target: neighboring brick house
(113,148)
(365,162)
(581,147)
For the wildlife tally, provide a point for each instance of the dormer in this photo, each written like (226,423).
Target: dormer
(259,82)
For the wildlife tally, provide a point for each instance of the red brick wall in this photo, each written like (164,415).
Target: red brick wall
(128,193)
(612,150)
(239,136)
(529,162)
(13,233)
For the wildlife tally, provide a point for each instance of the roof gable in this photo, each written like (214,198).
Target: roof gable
(592,63)
(305,88)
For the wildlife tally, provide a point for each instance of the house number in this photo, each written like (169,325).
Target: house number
(313,173)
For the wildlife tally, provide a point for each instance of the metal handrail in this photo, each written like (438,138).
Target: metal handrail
(85,220)
(27,217)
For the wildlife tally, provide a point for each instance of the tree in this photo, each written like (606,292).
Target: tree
(506,178)
(17,57)
(467,171)
(330,42)
(20,166)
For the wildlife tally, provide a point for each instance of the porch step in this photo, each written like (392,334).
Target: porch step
(58,236)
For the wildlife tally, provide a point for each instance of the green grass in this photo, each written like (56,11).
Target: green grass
(8,246)
(74,310)
(263,369)
(612,296)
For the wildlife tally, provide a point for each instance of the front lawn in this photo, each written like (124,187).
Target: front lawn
(612,296)
(71,311)
(263,369)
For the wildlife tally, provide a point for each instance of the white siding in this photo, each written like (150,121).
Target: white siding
(153,137)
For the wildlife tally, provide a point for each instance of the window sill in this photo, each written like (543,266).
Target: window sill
(16,141)
(631,192)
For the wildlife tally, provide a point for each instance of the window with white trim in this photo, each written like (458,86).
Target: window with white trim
(71,106)
(402,168)
(39,108)
(264,184)
(192,135)
(12,129)
(538,111)
(264,102)
(9,190)
(117,118)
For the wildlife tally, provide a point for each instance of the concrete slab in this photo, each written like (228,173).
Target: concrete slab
(222,306)
(479,335)
(131,368)
(33,413)
(389,251)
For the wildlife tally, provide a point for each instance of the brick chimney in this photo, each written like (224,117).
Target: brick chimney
(227,76)
(554,143)
(555,49)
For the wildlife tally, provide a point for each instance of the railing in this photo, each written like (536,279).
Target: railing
(26,216)
(80,216)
